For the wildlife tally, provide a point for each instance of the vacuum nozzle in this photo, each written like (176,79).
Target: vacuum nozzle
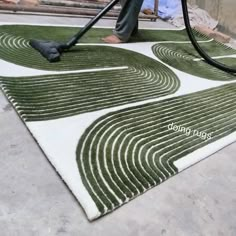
(49,49)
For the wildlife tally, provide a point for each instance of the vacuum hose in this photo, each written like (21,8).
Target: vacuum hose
(194,42)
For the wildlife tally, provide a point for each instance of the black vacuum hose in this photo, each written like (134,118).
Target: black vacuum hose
(201,52)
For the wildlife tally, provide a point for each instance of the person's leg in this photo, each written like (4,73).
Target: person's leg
(118,23)
(127,23)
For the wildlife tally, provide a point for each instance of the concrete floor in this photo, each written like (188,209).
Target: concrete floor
(35,201)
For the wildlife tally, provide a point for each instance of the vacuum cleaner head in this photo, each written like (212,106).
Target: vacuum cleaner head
(52,50)
(49,49)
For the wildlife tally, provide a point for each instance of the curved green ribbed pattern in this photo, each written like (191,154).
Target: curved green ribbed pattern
(14,44)
(61,95)
(125,153)
(184,57)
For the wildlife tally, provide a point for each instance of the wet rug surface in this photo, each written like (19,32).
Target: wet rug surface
(117,120)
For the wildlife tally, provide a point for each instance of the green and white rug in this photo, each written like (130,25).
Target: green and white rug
(117,120)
